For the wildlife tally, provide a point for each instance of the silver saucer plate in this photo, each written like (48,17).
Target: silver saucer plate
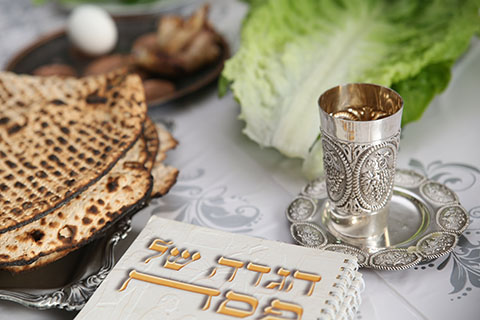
(424,223)
(73,296)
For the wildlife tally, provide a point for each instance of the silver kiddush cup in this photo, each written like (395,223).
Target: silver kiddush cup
(360,126)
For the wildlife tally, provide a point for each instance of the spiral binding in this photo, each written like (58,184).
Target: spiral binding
(344,298)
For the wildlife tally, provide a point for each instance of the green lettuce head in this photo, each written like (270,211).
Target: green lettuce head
(293,50)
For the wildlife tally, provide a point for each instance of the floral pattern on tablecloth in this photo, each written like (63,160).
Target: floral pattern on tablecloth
(215,207)
(465,258)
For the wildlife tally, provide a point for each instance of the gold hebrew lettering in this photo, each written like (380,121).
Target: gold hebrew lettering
(214,272)
(260,269)
(277,314)
(231,263)
(284,273)
(160,246)
(314,278)
(185,255)
(172,284)
(289,287)
(174,252)
(234,312)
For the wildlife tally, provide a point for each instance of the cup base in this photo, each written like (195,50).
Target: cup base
(362,226)
(372,231)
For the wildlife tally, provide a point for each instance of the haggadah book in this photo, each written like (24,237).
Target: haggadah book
(179,271)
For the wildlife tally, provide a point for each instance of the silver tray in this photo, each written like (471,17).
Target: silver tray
(425,221)
(73,295)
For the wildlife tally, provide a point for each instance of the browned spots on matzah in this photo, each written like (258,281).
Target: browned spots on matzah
(112,184)
(92,209)
(97,208)
(45,123)
(37,235)
(53,224)
(67,233)
(4,120)
(88,213)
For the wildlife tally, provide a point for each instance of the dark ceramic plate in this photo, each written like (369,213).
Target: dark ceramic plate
(118,8)
(56,48)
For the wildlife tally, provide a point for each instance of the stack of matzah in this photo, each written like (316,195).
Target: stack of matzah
(76,155)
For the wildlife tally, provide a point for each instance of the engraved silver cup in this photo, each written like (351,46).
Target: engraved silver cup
(360,126)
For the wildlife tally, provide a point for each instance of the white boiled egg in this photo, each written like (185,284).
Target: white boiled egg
(92,30)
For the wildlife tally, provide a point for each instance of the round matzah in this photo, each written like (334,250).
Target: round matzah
(60,135)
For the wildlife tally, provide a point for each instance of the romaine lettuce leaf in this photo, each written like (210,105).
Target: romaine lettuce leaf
(419,90)
(293,50)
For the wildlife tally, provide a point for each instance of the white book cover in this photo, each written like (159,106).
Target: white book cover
(175,270)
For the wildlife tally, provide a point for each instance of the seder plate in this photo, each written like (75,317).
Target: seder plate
(92,265)
(424,223)
(56,48)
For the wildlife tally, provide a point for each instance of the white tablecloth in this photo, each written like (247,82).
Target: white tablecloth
(227,182)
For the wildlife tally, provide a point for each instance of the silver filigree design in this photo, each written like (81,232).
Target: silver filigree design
(362,257)
(308,234)
(301,209)
(436,244)
(452,218)
(438,192)
(316,188)
(359,177)
(374,176)
(394,259)
(74,296)
(408,178)
(337,170)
